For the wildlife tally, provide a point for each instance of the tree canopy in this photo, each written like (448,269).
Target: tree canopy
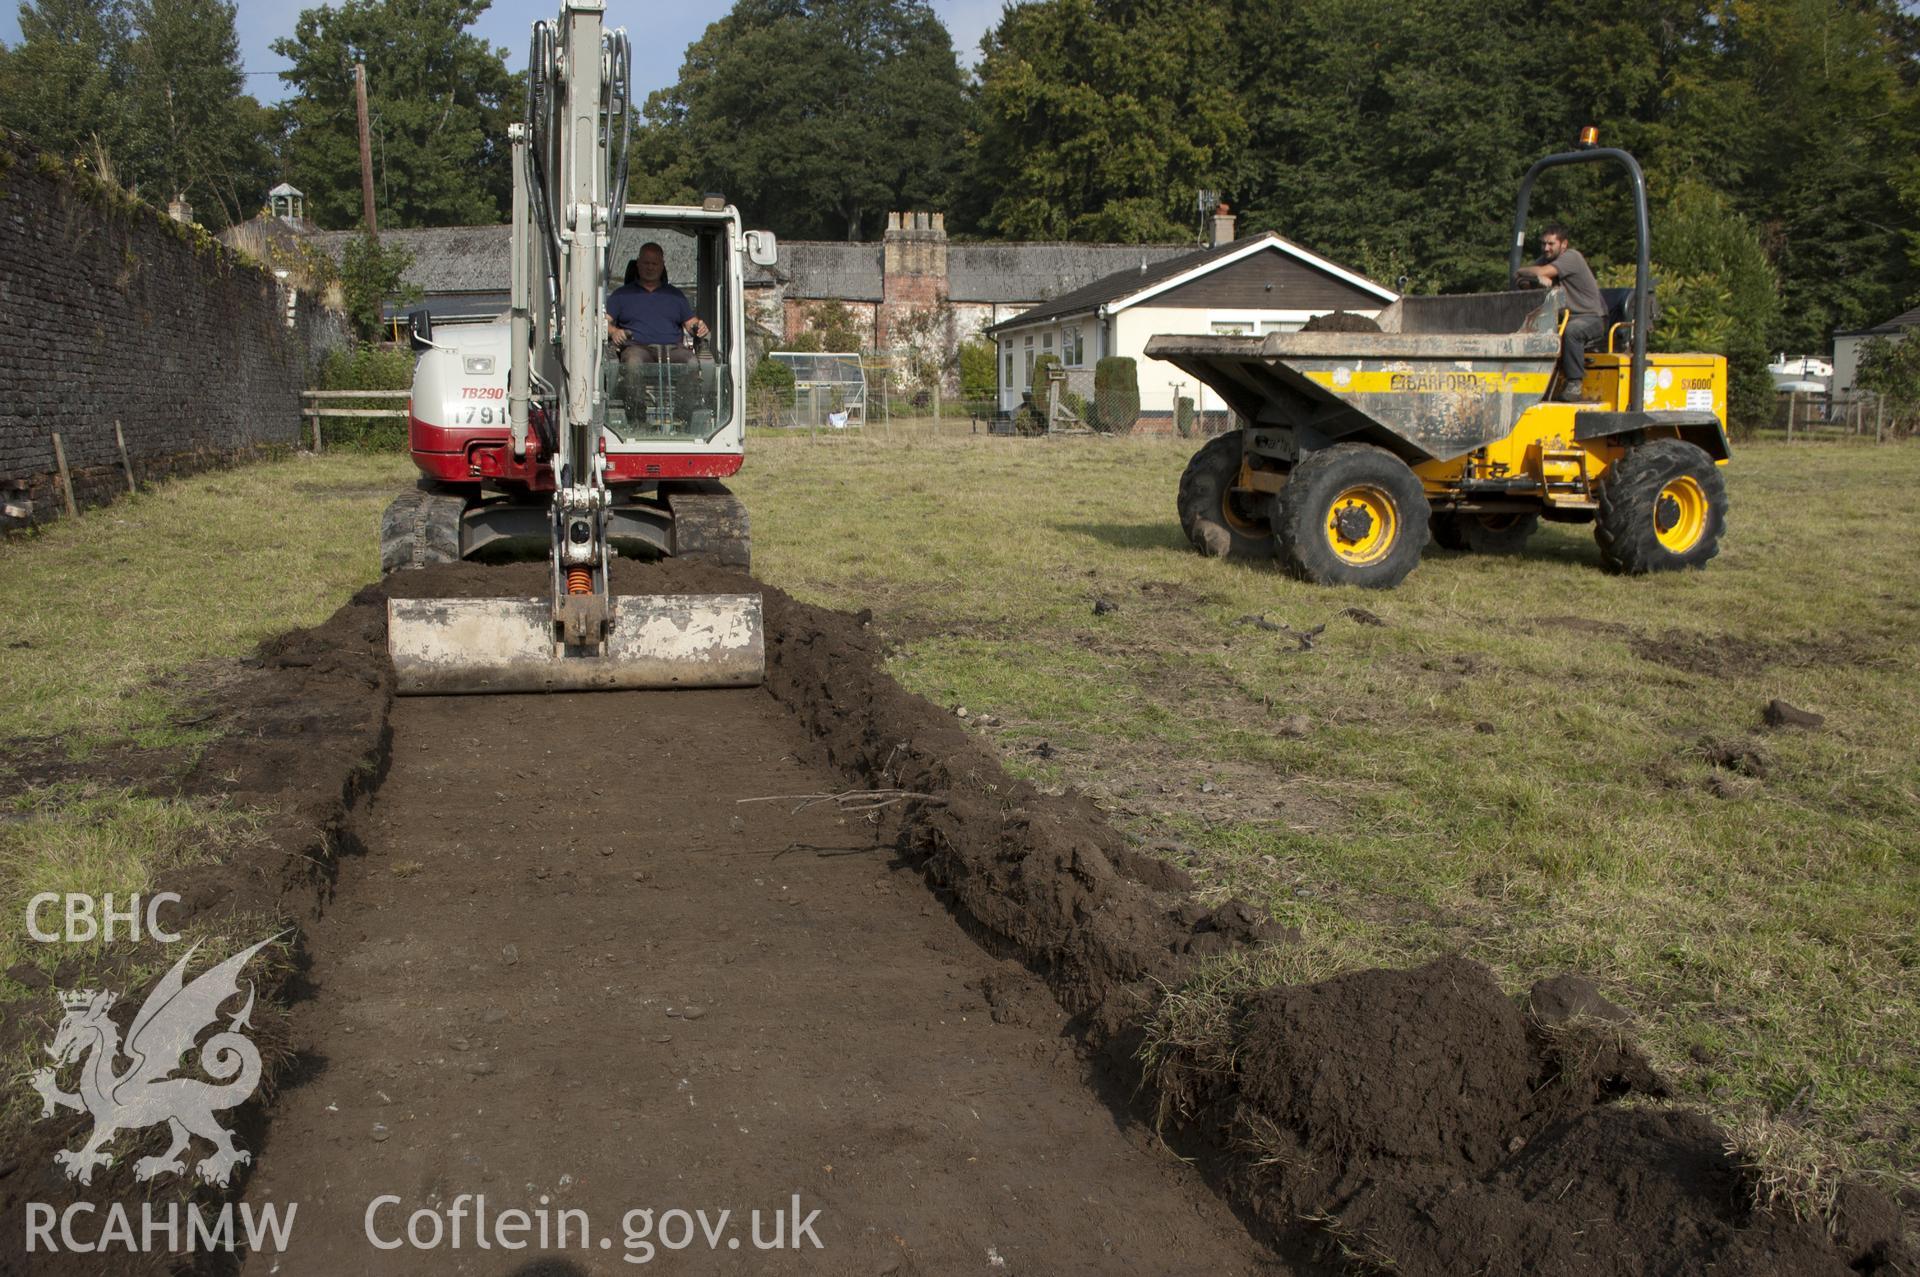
(820,116)
(150,91)
(439,100)
(1101,120)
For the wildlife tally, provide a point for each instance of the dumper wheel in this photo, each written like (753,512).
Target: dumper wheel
(1217,521)
(1352,514)
(1485,533)
(421,528)
(1663,507)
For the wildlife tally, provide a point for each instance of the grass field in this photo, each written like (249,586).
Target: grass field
(1529,761)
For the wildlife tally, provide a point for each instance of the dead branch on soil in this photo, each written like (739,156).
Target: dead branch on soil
(852,800)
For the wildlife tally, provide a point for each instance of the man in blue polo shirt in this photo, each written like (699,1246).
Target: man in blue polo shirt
(649,319)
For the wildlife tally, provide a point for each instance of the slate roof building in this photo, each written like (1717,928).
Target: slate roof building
(915,287)
(1261,284)
(911,285)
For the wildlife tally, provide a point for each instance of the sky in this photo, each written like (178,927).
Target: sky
(669,29)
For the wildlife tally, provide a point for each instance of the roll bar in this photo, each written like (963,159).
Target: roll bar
(1642,272)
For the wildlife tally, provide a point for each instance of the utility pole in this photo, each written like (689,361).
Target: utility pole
(366,150)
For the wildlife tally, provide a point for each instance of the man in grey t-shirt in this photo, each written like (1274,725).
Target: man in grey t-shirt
(1586,312)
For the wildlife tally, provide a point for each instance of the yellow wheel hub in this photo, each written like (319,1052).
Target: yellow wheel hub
(1362,525)
(1680,514)
(1232,514)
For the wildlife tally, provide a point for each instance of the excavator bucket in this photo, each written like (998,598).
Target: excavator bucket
(445,646)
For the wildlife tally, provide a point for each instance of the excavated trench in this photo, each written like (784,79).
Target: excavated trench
(597,953)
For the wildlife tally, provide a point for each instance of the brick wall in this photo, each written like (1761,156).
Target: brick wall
(109,310)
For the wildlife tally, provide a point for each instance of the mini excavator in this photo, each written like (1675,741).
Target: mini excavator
(532,434)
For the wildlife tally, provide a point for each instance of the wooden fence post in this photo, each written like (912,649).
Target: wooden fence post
(1879,416)
(66,480)
(1793,410)
(125,464)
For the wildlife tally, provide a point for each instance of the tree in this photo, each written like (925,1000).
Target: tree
(1102,119)
(63,86)
(815,116)
(194,132)
(1816,114)
(1716,290)
(1890,368)
(1390,135)
(439,101)
(371,276)
(150,91)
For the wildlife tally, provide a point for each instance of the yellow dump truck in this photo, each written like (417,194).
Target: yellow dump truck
(1360,446)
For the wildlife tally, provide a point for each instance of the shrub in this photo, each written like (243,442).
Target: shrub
(370,277)
(366,367)
(977,379)
(1116,394)
(1891,369)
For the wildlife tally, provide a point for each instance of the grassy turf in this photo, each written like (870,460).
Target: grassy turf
(102,608)
(1531,761)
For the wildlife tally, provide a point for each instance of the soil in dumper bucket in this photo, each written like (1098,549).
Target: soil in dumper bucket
(571,964)
(1340,321)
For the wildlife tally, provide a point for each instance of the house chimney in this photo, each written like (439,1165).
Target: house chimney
(180,211)
(1222,225)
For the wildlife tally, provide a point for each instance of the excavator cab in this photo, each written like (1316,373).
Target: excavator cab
(676,392)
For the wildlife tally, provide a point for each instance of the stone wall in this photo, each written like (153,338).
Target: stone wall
(110,311)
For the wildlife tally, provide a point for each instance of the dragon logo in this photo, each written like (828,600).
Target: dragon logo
(145,1093)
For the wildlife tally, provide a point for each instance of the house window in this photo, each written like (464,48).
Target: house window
(1233,329)
(1277,326)
(1028,382)
(1047,341)
(1072,352)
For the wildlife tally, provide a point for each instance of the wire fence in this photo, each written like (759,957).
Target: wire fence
(1836,415)
(829,392)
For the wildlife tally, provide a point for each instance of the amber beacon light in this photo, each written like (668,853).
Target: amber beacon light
(1589,136)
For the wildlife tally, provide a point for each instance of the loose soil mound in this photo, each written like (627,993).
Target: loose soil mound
(1413,1119)
(1340,321)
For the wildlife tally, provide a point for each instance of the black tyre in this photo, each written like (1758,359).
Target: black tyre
(1352,514)
(421,528)
(1663,507)
(1485,533)
(1218,521)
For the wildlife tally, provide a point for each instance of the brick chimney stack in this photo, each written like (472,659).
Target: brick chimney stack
(916,248)
(914,268)
(1223,220)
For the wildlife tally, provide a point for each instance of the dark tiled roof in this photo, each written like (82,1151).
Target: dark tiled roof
(824,269)
(446,259)
(474,259)
(1004,273)
(1125,283)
